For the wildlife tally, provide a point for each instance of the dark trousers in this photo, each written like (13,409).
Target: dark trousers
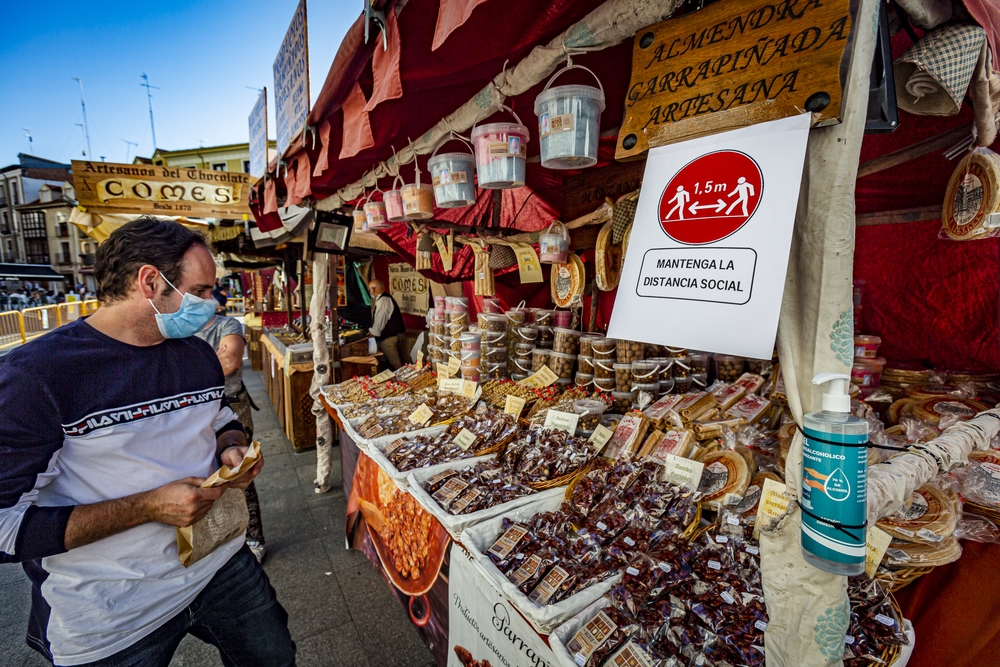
(238,613)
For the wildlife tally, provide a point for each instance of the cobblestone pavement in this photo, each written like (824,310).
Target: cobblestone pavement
(341,612)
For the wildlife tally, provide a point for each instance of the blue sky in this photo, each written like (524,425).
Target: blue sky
(201,54)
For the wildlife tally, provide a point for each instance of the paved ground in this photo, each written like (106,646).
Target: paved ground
(341,613)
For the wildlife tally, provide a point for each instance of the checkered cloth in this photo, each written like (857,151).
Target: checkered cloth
(624,214)
(944,58)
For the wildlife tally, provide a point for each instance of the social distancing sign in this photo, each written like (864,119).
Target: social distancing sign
(709,246)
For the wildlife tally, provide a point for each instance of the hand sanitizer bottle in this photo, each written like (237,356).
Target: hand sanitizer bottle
(834,496)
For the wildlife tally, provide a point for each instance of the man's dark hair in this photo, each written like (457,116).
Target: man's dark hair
(146,240)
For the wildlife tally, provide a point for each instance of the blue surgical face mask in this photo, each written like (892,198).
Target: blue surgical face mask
(190,318)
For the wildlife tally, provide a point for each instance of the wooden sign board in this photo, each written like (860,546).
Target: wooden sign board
(291,80)
(587,190)
(735,63)
(108,187)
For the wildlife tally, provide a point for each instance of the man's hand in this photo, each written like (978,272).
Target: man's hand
(232,456)
(181,503)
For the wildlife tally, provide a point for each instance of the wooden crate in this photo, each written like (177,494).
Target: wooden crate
(254,348)
(300,422)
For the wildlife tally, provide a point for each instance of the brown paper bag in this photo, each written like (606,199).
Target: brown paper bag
(227,519)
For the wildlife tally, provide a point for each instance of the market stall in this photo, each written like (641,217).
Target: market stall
(537,492)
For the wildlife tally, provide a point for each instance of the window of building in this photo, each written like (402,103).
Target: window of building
(246,166)
(3,195)
(33,225)
(11,255)
(4,223)
(13,194)
(36,250)
(64,253)
(219,166)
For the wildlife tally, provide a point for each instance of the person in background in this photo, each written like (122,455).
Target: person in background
(220,294)
(109,425)
(225,335)
(387,327)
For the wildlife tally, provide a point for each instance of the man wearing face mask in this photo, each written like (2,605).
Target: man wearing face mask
(108,427)
(387,324)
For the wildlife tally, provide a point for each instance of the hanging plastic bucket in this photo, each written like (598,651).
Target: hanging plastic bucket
(376,215)
(569,123)
(453,176)
(553,245)
(394,203)
(360,220)
(500,152)
(418,198)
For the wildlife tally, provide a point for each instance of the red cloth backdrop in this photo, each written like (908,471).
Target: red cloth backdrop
(930,299)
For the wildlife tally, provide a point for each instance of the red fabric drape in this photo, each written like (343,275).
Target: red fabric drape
(451,15)
(357,132)
(385,65)
(930,299)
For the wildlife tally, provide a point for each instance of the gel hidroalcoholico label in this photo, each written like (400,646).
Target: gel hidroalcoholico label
(834,495)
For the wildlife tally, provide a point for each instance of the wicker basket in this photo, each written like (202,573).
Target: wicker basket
(896,580)
(563,480)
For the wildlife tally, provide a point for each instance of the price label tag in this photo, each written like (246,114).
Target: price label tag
(877,542)
(442,370)
(421,415)
(384,376)
(454,363)
(682,472)
(774,501)
(513,405)
(451,385)
(464,439)
(469,389)
(543,378)
(563,421)
(600,436)
(420,360)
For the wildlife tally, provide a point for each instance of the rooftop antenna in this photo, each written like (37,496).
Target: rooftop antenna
(31,145)
(84,150)
(149,98)
(83,105)
(128,147)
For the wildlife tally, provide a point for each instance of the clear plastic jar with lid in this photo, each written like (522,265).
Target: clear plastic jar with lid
(623,377)
(604,384)
(561,364)
(728,368)
(622,402)
(539,358)
(630,350)
(545,337)
(585,364)
(586,340)
(604,369)
(565,341)
(544,317)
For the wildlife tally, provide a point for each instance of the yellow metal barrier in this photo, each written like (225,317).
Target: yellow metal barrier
(235,307)
(19,326)
(11,329)
(40,320)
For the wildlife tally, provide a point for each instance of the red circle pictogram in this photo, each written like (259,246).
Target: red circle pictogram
(711,197)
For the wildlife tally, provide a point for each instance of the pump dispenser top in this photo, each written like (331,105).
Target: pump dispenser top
(837,399)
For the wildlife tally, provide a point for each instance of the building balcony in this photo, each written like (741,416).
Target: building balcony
(64,259)
(87,259)
(62,231)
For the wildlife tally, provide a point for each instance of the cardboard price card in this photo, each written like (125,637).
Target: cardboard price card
(464,439)
(563,421)
(469,389)
(454,363)
(543,378)
(451,385)
(384,376)
(600,436)
(683,472)
(774,502)
(421,415)
(875,547)
(513,405)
